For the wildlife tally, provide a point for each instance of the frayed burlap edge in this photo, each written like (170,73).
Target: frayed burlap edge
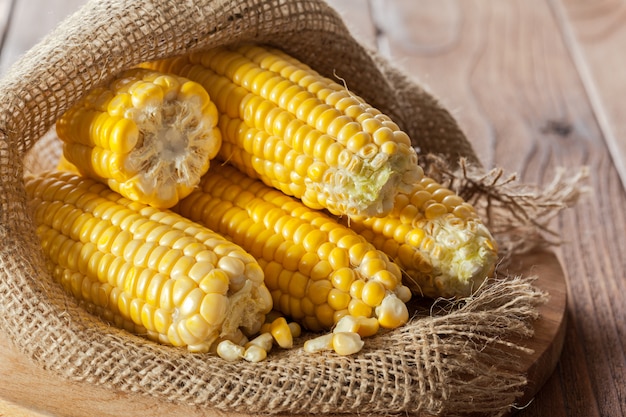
(518,214)
(449,363)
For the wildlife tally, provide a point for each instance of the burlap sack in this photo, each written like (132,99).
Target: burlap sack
(437,364)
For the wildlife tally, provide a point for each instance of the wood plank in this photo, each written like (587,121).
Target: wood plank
(6,9)
(596,35)
(500,67)
(506,71)
(10,409)
(356,15)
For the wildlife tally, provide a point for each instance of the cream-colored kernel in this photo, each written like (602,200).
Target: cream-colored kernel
(347,323)
(347,343)
(319,344)
(295,329)
(264,340)
(404,293)
(234,267)
(254,354)
(230,351)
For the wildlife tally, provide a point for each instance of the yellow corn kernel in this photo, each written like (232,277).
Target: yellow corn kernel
(281,332)
(148,135)
(373,293)
(138,289)
(354,169)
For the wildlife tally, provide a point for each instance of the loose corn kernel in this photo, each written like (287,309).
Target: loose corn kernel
(347,343)
(230,351)
(281,332)
(254,354)
(319,343)
(265,341)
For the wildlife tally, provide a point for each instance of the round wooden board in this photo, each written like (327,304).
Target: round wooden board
(27,390)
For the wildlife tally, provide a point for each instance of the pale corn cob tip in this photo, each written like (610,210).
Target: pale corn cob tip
(148,135)
(300,132)
(463,254)
(437,238)
(149,271)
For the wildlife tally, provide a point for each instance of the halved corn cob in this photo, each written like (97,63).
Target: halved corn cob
(147,270)
(316,269)
(437,238)
(302,133)
(148,135)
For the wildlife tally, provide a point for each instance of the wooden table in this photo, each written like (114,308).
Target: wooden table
(536,85)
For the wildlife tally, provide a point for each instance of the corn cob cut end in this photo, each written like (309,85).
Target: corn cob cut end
(371,190)
(463,255)
(149,135)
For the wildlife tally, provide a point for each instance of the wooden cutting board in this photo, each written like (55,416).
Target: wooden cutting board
(27,390)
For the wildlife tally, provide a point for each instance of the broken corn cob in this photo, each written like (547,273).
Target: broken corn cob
(437,238)
(149,271)
(316,269)
(148,135)
(302,133)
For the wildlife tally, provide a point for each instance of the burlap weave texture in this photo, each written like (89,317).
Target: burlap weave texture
(434,365)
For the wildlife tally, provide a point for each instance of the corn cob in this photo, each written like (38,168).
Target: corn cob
(316,269)
(302,133)
(149,271)
(148,135)
(437,239)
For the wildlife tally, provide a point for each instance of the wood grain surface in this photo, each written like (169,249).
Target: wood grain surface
(537,85)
